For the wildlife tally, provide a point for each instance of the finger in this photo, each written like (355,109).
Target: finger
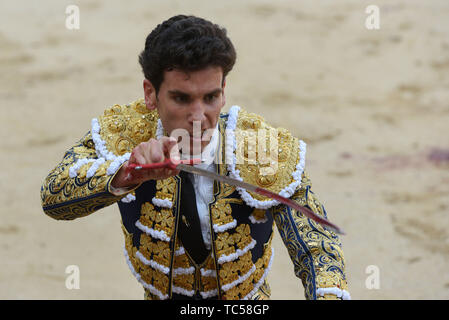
(170,147)
(156,152)
(173,149)
(137,157)
(146,151)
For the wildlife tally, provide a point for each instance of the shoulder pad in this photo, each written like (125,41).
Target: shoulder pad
(268,157)
(122,127)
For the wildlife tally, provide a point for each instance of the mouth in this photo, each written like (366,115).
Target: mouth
(204,137)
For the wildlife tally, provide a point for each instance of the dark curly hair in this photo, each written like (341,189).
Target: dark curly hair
(187,43)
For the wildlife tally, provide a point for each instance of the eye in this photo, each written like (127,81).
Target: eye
(181,99)
(211,98)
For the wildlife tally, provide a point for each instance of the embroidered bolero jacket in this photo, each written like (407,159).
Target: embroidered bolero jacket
(241,222)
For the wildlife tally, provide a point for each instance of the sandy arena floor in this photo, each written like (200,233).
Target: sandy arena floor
(372,105)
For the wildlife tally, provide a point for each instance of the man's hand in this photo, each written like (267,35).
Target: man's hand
(148,152)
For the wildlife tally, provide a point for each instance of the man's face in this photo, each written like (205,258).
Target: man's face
(188,98)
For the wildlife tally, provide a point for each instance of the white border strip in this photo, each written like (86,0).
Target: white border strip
(128,198)
(153,233)
(180,251)
(255,221)
(209,294)
(116,163)
(262,279)
(179,271)
(240,279)
(163,203)
(152,289)
(335,291)
(152,263)
(222,228)
(208,273)
(227,258)
(102,153)
(182,291)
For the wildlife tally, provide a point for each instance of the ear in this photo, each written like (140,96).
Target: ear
(150,94)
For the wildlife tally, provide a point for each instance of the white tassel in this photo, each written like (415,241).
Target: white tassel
(73,171)
(94,167)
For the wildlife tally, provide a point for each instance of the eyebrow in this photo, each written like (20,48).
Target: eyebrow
(178,92)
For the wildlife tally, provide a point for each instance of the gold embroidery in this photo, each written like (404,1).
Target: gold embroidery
(232,294)
(242,236)
(318,258)
(162,220)
(124,127)
(230,271)
(221,212)
(184,281)
(263,293)
(268,156)
(225,244)
(209,283)
(158,251)
(258,214)
(182,261)
(261,265)
(155,278)
(210,264)
(65,198)
(328,279)
(166,188)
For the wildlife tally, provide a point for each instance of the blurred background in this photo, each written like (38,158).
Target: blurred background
(372,106)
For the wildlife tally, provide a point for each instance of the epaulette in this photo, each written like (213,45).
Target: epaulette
(123,127)
(259,154)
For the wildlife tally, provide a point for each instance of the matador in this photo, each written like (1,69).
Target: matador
(187,236)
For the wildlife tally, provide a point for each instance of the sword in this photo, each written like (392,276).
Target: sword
(187,165)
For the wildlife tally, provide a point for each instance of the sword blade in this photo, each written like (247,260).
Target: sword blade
(264,192)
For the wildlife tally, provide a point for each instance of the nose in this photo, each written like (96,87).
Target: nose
(197,112)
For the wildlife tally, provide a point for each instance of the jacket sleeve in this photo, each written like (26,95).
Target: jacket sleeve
(316,253)
(80,183)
